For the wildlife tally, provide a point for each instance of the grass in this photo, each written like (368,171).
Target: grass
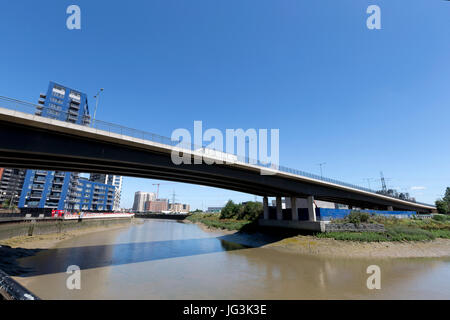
(397,230)
(391,234)
(213,220)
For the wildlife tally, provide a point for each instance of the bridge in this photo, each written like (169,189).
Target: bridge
(31,141)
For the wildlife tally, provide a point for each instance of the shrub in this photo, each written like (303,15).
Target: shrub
(440,217)
(358,217)
(250,211)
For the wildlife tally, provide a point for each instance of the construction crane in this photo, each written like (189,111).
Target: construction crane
(157,189)
(383,180)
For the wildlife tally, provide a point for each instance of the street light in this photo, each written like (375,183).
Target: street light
(321,164)
(97,96)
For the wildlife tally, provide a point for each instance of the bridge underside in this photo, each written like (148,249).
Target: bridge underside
(30,147)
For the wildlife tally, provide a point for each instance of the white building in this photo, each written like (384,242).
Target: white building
(141,198)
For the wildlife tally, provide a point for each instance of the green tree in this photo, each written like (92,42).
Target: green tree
(251,211)
(230,210)
(447,196)
(442,206)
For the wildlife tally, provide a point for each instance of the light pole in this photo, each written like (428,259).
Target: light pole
(97,96)
(321,164)
(368,182)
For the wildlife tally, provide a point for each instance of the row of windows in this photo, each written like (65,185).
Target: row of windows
(57,100)
(58,95)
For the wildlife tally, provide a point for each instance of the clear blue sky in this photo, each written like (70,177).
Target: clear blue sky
(363,101)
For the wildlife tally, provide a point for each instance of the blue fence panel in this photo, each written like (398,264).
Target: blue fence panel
(325,214)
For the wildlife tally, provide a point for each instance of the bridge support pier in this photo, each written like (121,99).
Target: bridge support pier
(311,208)
(294,208)
(279,208)
(266,207)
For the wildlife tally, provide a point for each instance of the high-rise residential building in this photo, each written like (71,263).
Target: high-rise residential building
(113,180)
(56,189)
(94,196)
(141,198)
(11,183)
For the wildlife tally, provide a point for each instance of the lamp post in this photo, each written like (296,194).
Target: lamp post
(321,164)
(97,96)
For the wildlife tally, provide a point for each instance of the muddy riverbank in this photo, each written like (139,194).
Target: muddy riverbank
(24,246)
(307,244)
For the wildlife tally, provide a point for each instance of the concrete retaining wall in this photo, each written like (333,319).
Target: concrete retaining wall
(33,227)
(339,227)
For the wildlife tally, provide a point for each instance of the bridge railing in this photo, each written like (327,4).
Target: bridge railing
(49,112)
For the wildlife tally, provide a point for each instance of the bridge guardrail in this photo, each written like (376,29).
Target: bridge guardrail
(37,109)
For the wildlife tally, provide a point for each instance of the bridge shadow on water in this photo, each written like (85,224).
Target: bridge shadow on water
(33,262)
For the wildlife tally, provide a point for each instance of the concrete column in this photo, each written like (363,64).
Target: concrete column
(279,208)
(389,208)
(311,208)
(294,208)
(266,208)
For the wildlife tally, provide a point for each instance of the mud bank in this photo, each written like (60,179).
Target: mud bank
(310,245)
(23,245)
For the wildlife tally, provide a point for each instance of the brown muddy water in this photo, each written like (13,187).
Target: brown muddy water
(162,259)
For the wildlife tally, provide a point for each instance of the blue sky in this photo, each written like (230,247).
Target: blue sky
(363,101)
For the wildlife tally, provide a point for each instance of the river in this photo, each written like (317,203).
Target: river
(162,259)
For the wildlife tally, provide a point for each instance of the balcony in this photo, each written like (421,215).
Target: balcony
(43,95)
(73,112)
(41,173)
(75,106)
(72,118)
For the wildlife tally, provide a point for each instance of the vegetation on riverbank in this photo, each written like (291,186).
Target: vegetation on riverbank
(213,220)
(396,229)
(234,216)
(443,205)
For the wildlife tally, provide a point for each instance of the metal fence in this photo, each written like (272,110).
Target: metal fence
(38,109)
